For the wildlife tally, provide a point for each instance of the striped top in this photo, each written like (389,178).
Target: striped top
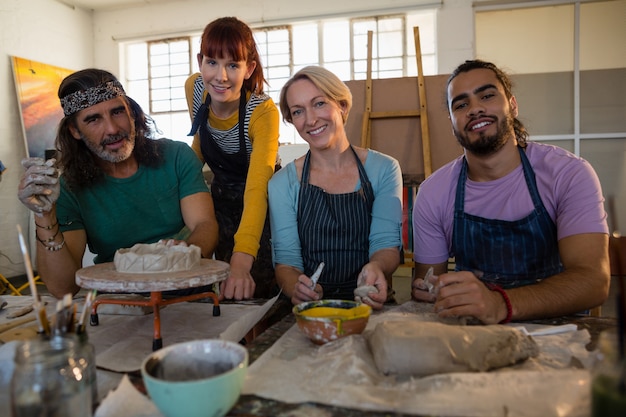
(261,135)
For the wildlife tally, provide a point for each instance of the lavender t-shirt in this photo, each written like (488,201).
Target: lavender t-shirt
(568,186)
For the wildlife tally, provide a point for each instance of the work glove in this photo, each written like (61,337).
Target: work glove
(39,187)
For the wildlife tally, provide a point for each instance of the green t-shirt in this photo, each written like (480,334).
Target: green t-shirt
(120,212)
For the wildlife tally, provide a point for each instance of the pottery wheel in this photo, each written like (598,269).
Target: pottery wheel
(104,277)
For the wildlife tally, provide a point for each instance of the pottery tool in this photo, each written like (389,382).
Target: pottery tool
(429,285)
(316,275)
(564,328)
(42,318)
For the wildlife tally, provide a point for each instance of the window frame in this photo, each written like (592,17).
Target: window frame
(153,88)
(176,116)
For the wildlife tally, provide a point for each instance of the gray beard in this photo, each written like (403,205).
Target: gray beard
(108,156)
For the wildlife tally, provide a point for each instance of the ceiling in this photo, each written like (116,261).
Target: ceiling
(99,5)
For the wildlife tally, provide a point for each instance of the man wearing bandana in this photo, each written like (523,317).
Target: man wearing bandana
(113,185)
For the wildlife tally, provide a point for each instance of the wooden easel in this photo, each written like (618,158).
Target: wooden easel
(422,113)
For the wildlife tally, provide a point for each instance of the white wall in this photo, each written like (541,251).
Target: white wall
(455,21)
(455,34)
(44,31)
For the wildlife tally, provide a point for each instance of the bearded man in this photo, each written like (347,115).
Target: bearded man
(524,222)
(113,186)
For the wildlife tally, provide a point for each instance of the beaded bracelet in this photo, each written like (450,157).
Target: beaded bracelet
(48,227)
(47,243)
(55,248)
(48,240)
(507,301)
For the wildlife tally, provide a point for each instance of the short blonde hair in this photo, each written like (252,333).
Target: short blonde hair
(327,82)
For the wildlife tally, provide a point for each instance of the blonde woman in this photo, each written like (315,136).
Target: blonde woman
(338,204)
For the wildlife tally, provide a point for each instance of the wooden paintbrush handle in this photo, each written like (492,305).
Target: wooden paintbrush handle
(15,323)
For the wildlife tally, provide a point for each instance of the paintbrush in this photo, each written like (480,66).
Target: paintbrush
(70,315)
(80,327)
(42,318)
(55,320)
(64,317)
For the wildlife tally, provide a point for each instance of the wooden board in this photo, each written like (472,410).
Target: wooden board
(104,277)
(400,137)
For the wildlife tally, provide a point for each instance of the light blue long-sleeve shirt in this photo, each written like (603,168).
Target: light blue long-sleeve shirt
(385,176)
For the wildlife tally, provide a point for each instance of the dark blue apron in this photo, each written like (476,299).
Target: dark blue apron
(507,253)
(228,169)
(227,189)
(334,229)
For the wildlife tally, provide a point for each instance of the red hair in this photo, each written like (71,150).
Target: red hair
(230,37)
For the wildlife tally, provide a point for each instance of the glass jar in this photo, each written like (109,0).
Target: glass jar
(50,379)
(608,385)
(89,352)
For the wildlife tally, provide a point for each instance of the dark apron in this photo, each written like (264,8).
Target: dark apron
(507,253)
(335,229)
(227,189)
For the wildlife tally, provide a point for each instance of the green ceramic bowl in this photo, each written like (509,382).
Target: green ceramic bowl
(202,378)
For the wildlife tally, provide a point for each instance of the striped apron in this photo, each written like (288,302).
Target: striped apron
(506,253)
(334,229)
(227,190)
(228,169)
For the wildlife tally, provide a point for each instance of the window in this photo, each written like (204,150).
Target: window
(274,45)
(156,70)
(169,65)
(569,64)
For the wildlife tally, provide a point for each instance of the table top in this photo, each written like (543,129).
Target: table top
(104,277)
(253,406)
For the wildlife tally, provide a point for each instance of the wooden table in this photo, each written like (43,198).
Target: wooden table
(104,277)
(253,406)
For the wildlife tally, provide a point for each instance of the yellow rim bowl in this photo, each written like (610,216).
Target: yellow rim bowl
(326,320)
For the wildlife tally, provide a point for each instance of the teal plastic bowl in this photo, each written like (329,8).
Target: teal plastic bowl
(201,378)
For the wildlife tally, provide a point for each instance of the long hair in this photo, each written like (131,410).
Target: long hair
(229,36)
(77,163)
(521,134)
(327,82)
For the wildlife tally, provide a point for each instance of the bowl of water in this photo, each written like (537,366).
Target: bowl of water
(196,379)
